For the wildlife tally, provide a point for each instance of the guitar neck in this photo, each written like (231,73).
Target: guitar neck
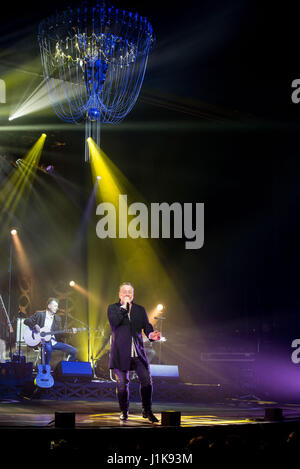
(62,331)
(43,351)
(68,330)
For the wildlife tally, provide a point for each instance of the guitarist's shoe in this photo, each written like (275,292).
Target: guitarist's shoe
(148,414)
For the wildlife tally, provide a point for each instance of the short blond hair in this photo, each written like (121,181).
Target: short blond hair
(129,284)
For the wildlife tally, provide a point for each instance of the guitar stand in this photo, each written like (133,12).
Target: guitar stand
(38,350)
(35,360)
(36,394)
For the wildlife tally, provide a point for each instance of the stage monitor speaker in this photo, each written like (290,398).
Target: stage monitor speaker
(170,418)
(15,373)
(164,371)
(64,419)
(73,371)
(273,414)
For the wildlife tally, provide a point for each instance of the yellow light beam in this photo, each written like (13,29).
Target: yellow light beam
(21,179)
(21,256)
(84,291)
(113,260)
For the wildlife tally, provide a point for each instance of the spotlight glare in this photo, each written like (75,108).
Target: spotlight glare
(13,232)
(72,283)
(49,168)
(98,177)
(159,307)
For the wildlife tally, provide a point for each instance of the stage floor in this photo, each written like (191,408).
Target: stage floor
(218,430)
(40,413)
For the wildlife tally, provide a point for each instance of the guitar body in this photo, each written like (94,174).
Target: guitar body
(44,378)
(31,337)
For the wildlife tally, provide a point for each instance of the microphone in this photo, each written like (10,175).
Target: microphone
(125,306)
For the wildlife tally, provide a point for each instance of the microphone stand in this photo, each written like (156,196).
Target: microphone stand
(19,344)
(161,319)
(89,329)
(10,275)
(66,312)
(9,325)
(20,333)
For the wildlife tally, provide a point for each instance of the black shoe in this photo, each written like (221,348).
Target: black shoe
(124,416)
(148,414)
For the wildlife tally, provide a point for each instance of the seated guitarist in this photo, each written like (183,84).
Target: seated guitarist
(53,323)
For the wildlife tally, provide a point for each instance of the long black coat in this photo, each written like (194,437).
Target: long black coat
(123,330)
(39,318)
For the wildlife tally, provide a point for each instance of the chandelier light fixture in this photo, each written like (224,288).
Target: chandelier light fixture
(94,60)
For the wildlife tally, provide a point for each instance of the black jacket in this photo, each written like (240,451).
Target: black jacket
(123,330)
(39,318)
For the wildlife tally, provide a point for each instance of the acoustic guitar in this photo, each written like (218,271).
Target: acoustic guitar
(44,378)
(33,338)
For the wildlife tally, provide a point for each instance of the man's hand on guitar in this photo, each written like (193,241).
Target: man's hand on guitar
(155,335)
(37,328)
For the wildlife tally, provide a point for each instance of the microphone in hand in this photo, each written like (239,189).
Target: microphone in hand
(127,303)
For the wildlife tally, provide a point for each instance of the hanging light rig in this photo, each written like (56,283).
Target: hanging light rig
(94,60)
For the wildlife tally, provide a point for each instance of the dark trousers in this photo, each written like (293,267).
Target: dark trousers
(68,349)
(145,379)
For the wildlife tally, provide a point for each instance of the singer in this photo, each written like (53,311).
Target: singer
(127,320)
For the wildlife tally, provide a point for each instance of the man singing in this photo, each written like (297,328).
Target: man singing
(127,320)
(51,322)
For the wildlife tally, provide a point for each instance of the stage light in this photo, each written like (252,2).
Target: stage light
(98,177)
(39,98)
(44,135)
(49,168)
(159,307)
(72,283)
(14,232)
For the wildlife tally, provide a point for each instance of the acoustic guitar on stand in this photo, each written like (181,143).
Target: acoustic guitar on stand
(43,378)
